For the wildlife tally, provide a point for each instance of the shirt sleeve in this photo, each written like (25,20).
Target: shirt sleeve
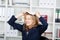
(15,25)
(44,26)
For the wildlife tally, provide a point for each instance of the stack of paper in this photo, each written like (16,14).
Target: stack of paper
(12,33)
(47,3)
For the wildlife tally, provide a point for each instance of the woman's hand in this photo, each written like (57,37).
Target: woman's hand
(37,14)
(19,15)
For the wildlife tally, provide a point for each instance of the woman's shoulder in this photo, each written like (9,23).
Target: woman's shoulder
(38,26)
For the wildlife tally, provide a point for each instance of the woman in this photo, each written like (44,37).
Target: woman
(31,29)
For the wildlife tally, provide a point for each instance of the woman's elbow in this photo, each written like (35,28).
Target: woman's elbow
(10,23)
(46,24)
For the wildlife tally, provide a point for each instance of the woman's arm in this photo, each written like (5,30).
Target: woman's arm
(15,25)
(42,28)
(44,25)
(43,21)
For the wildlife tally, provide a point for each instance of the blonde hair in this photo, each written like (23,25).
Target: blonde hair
(34,18)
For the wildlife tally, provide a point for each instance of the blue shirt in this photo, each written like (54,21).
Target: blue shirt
(32,34)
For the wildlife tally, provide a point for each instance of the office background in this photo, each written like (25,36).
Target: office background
(49,9)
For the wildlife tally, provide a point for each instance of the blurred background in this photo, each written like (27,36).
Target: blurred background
(49,9)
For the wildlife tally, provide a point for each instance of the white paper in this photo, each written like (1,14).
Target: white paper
(4,12)
(35,2)
(47,3)
(1,27)
(10,11)
(0,2)
(1,11)
(12,33)
(21,1)
(10,2)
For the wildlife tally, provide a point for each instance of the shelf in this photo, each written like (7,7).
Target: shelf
(57,7)
(1,35)
(50,22)
(2,19)
(56,38)
(18,6)
(35,6)
(15,36)
(2,5)
(42,7)
(57,23)
(45,7)
(50,38)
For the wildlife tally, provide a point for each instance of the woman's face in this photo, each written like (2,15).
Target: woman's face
(28,20)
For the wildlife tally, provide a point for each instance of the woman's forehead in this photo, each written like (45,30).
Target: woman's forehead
(28,16)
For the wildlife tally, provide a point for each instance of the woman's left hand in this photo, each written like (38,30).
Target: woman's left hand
(37,14)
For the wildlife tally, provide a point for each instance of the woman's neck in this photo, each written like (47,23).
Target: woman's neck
(31,26)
